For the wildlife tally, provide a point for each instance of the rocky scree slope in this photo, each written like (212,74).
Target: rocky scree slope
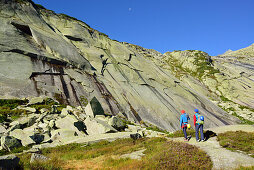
(47,54)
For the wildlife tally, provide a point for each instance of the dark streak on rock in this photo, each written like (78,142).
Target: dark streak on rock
(75,94)
(39,57)
(73,38)
(104,64)
(66,92)
(34,74)
(36,87)
(23,28)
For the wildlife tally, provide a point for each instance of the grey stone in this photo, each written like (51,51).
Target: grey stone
(35,100)
(65,112)
(63,134)
(52,123)
(44,110)
(135,136)
(9,162)
(96,126)
(116,122)
(70,122)
(10,142)
(37,138)
(94,108)
(32,150)
(30,109)
(27,121)
(134,155)
(35,157)
(2,129)
(24,137)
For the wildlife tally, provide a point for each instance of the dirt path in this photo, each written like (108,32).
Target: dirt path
(221,157)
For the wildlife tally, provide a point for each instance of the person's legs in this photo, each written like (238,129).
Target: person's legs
(201,132)
(197,131)
(184,132)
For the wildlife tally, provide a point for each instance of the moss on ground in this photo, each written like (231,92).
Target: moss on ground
(239,140)
(7,109)
(159,154)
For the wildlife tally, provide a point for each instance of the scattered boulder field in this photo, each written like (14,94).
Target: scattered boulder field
(52,127)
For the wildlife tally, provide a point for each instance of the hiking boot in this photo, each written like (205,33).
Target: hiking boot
(202,140)
(198,140)
(186,140)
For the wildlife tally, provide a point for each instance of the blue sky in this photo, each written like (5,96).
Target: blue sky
(213,26)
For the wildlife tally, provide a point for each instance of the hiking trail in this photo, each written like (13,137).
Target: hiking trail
(221,157)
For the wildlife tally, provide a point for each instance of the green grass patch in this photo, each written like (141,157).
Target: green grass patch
(245,168)
(239,140)
(155,128)
(6,113)
(191,132)
(14,150)
(243,121)
(179,133)
(159,154)
(12,103)
(47,104)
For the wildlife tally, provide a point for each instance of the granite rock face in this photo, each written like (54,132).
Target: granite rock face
(44,54)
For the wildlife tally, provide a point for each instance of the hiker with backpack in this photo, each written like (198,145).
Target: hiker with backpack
(184,122)
(198,123)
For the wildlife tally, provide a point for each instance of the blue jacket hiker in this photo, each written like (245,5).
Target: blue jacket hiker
(198,123)
(183,123)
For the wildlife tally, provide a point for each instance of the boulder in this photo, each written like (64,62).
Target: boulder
(46,138)
(38,157)
(82,116)
(134,128)
(69,108)
(14,125)
(35,100)
(65,112)
(69,122)
(102,117)
(44,127)
(41,117)
(135,136)
(37,138)
(32,150)
(27,121)
(10,142)
(2,130)
(61,134)
(44,110)
(30,109)
(94,108)
(9,162)
(24,137)
(117,123)
(54,109)
(96,126)
(52,124)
